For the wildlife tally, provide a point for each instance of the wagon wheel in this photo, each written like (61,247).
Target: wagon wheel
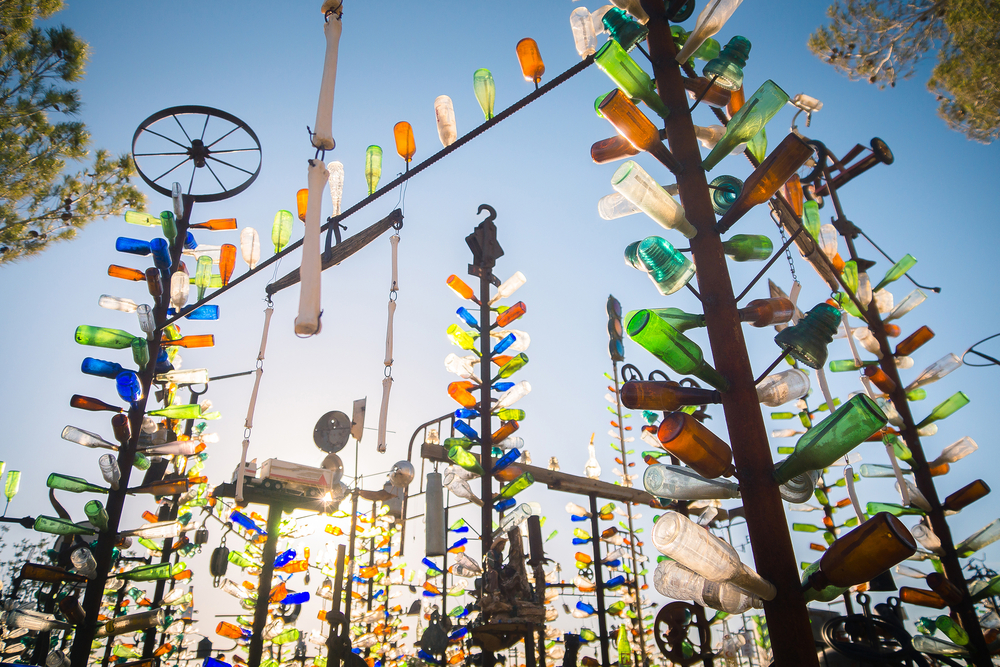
(813,167)
(671,628)
(213,154)
(893,646)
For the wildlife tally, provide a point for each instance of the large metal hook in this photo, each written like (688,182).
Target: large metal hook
(486,207)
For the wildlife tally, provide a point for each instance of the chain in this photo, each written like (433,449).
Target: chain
(788,250)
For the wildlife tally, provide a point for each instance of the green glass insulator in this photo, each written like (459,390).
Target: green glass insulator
(725,191)
(807,340)
(624,30)
(727,68)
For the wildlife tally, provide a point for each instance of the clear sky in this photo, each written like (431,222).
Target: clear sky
(262,62)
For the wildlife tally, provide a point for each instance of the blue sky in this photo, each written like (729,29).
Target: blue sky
(262,62)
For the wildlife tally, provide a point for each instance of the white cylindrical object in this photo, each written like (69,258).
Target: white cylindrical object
(444,115)
(180,289)
(336,180)
(780,388)
(323,130)
(614,205)
(583,32)
(638,187)
(388,337)
(250,246)
(434,516)
(307,323)
(394,241)
(383,414)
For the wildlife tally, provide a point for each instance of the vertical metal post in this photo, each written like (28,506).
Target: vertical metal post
(256,648)
(444,564)
(118,605)
(350,557)
(602,621)
(338,590)
(787,617)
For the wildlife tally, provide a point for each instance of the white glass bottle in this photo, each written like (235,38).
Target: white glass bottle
(710,21)
(778,389)
(638,187)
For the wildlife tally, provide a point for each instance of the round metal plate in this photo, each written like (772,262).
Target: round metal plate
(332,431)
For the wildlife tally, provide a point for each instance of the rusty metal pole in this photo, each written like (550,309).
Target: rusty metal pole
(787,618)
(980,654)
(602,621)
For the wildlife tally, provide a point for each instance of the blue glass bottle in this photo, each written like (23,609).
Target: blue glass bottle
(103,369)
(284,558)
(206,312)
(466,413)
(504,505)
(502,386)
(506,460)
(163,364)
(466,430)
(246,522)
(468,318)
(129,387)
(190,242)
(504,343)
(296,598)
(132,246)
(584,607)
(161,253)
(614,582)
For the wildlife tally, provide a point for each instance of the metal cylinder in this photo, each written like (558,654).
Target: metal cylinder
(434,516)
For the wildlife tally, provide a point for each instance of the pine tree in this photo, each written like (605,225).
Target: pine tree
(40,202)
(880,41)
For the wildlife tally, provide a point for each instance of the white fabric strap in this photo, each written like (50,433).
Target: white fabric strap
(307,323)
(323,130)
(849,478)
(388,334)
(248,424)
(394,240)
(383,414)
(793,296)
(263,337)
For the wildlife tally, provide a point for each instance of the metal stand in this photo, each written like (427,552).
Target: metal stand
(602,622)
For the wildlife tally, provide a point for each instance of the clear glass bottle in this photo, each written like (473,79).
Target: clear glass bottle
(637,186)
(780,388)
(709,22)
(680,483)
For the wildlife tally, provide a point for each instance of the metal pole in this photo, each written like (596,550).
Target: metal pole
(486,432)
(348,577)
(256,647)
(602,622)
(338,590)
(786,614)
(114,614)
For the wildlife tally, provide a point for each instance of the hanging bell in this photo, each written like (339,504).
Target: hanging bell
(219,562)
(201,536)
(807,340)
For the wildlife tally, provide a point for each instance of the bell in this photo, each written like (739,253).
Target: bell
(807,340)
(201,536)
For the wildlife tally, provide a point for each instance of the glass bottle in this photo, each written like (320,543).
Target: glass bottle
(465,459)
(748,247)
(126,273)
(807,340)
(921,597)
(878,378)
(897,271)
(638,187)
(864,552)
(695,548)
(55,526)
(613,60)
(101,368)
(675,317)
(668,269)
(957,401)
(767,312)
(766,179)
(132,246)
(747,122)
(485,90)
(520,484)
(912,300)
(200,340)
(780,388)
(725,191)
(727,67)
(911,343)
(665,396)
(679,483)
(978,540)
(955,451)
(530,60)
(850,425)
(965,496)
(86,438)
(511,314)
(709,22)
(187,411)
(444,115)
(672,348)
(227,262)
(632,124)
(72,484)
(701,88)
(92,404)
(512,366)
(936,371)
(686,438)
(117,303)
(102,337)
(250,246)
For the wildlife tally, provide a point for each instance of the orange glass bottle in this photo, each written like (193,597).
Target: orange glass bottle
(765,180)
(506,428)
(461,288)
(767,312)
(921,597)
(792,189)
(864,553)
(200,340)
(736,101)
(227,262)
(715,97)
(686,438)
(125,273)
(909,345)
(611,149)
(878,377)
(666,396)
(967,495)
(216,225)
(945,589)
(511,314)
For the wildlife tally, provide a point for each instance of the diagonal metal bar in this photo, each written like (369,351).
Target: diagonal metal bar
(770,263)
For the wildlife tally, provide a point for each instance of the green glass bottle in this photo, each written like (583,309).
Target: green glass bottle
(806,528)
(485,89)
(189,411)
(154,572)
(54,526)
(462,338)
(807,340)
(13,483)
(72,484)
(169,225)
(115,339)
(96,514)
(952,630)
(675,317)
(810,219)
(203,271)
(828,594)
(515,364)
(510,414)
(849,426)
(916,394)
(627,75)
(525,480)
(624,646)
(845,365)
(727,67)
(462,457)
(748,121)
(140,352)
(897,271)
(239,560)
(748,247)
(286,636)
(464,443)
(954,403)
(893,509)
(672,348)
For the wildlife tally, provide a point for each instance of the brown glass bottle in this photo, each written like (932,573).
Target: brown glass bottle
(122,428)
(686,438)
(967,495)
(168,487)
(736,101)
(909,345)
(878,377)
(48,574)
(715,97)
(765,180)
(767,312)
(611,149)
(71,609)
(125,273)
(864,553)
(921,597)
(891,330)
(944,588)
(92,404)
(153,282)
(666,396)
(506,429)
(792,189)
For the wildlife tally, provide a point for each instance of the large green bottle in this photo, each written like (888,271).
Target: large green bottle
(675,317)
(154,572)
(851,424)
(72,484)
(115,339)
(462,457)
(748,247)
(96,514)
(748,121)
(54,526)
(673,348)
(627,75)
(190,411)
(957,400)
(894,509)
(520,484)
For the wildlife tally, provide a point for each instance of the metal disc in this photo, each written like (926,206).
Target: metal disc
(332,431)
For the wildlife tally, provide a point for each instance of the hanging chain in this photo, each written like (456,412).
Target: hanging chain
(788,250)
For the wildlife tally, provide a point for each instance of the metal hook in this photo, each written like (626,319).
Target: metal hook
(486,207)
(630,372)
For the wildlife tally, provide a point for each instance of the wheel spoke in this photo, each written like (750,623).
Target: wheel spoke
(167,138)
(169,170)
(236,150)
(216,177)
(233,166)
(224,136)
(174,116)
(157,154)
(204,127)
(194,170)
